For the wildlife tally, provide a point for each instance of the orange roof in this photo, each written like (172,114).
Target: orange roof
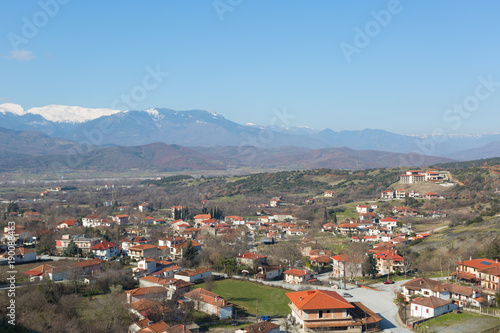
(430,302)
(479,263)
(296,272)
(207,297)
(103,245)
(141,247)
(87,263)
(202,216)
(40,270)
(147,290)
(251,255)
(68,222)
(318,300)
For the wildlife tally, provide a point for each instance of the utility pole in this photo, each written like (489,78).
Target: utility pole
(257,312)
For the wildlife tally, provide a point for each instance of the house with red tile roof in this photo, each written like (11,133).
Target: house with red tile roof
(20,255)
(145,308)
(297,276)
(174,286)
(143,251)
(420,286)
(363,209)
(387,195)
(404,211)
(251,259)
(480,272)
(388,262)
(201,217)
(345,264)
(193,275)
(322,310)
(350,227)
(154,293)
(67,224)
(461,295)
(429,307)
(105,250)
(210,303)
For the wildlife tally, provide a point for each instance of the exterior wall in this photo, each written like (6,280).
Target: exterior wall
(297,279)
(426,312)
(226,312)
(270,275)
(194,277)
(26,258)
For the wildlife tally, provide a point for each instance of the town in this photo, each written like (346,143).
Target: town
(181,253)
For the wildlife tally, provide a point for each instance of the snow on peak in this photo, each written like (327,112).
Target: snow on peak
(71,114)
(214,114)
(155,114)
(12,108)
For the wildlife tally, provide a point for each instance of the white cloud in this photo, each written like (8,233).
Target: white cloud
(20,55)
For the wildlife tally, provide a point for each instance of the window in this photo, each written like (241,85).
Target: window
(426,310)
(320,314)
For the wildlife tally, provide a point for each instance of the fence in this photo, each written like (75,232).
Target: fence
(485,311)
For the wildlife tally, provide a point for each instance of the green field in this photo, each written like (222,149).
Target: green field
(461,323)
(244,295)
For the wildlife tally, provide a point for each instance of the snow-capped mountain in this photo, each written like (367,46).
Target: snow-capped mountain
(209,129)
(59,113)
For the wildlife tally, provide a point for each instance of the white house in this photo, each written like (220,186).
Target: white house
(192,275)
(297,276)
(388,223)
(105,250)
(20,255)
(362,209)
(430,307)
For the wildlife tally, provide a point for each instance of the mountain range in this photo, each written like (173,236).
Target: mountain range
(40,153)
(210,134)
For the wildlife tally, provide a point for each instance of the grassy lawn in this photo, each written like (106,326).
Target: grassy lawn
(244,296)
(461,322)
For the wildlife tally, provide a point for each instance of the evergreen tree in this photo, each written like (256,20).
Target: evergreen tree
(335,218)
(190,252)
(370,266)
(72,249)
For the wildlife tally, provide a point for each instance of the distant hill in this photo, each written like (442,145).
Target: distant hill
(469,164)
(155,156)
(489,150)
(208,129)
(31,143)
(33,151)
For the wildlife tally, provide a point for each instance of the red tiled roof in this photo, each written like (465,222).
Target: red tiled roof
(103,245)
(479,263)
(296,272)
(141,247)
(251,255)
(430,302)
(146,291)
(318,300)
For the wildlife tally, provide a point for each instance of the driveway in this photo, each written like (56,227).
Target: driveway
(380,301)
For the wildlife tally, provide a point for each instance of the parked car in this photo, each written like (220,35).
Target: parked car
(388,282)
(346,295)
(265,318)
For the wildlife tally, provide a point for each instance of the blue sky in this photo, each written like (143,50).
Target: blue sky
(248,58)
